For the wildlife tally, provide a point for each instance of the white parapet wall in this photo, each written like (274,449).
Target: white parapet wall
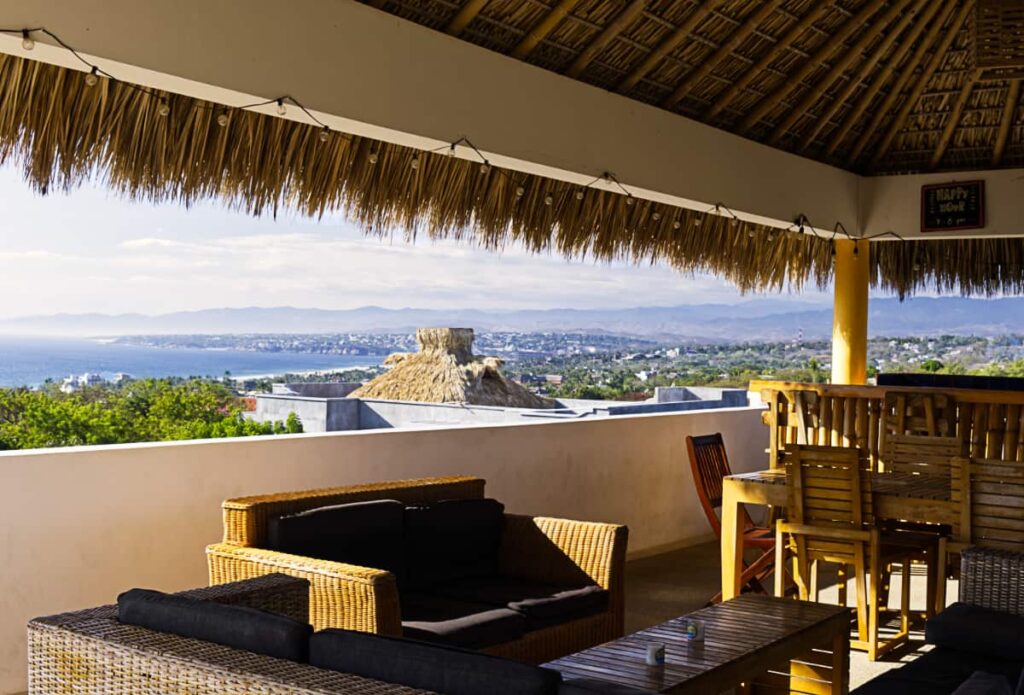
(80,525)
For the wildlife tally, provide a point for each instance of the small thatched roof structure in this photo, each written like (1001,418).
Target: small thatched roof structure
(446,371)
(63,134)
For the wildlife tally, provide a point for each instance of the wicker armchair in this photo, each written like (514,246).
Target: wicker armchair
(89,651)
(367,599)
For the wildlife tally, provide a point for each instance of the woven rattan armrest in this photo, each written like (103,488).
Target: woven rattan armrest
(340,595)
(101,655)
(993,579)
(567,552)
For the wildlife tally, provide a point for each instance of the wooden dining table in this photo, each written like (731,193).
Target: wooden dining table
(902,496)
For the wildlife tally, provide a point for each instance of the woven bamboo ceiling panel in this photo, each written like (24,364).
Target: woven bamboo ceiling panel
(872,86)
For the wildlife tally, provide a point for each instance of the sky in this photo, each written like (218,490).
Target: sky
(93,251)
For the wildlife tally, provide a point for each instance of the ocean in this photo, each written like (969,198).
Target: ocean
(26,361)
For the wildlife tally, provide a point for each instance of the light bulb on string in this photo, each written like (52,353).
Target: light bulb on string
(856,249)
(485,168)
(281,108)
(372,158)
(696,221)
(415,163)
(325,134)
(92,78)
(676,224)
(520,191)
(629,200)
(222,119)
(579,195)
(655,216)
(548,200)
(164,109)
(26,41)
(750,233)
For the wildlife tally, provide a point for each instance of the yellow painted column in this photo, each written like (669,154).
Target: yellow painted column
(850,313)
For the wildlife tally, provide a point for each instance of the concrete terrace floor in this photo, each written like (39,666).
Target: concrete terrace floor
(665,586)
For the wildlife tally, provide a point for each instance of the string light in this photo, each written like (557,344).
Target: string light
(655,216)
(485,168)
(26,41)
(548,200)
(832,248)
(579,195)
(856,250)
(696,221)
(629,200)
(92,77)
(325,133)
(222,119)
(750,232)
(372,158)
(164,109)
(676,224)
(520,191)
(415,163)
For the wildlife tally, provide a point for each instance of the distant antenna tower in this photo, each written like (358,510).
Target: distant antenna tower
(800,335)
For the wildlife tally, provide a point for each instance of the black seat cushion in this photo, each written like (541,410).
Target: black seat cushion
(459,623)
(368,534)
(541,604)
(978,630)
(453,539)
(981,683)
(940,670)
(240,627)
(591,686)
(428,666)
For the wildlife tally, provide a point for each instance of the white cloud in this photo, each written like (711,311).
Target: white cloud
(89,251)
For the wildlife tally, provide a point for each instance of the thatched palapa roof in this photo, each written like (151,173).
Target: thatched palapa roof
(446,371)
(62,134)
(874,86)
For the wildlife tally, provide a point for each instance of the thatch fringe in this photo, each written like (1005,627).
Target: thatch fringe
(62,133)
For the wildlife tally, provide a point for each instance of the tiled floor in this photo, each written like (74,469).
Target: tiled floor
(665,586)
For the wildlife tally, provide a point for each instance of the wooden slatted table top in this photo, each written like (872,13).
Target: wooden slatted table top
(896,484)
(743,638)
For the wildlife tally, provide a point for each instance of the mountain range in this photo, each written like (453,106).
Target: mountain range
(755,319)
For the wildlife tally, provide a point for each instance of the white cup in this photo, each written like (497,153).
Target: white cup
(655,655)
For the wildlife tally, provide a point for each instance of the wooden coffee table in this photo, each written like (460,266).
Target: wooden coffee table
(759,642)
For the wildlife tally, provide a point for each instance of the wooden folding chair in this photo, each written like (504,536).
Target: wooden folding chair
(710,465)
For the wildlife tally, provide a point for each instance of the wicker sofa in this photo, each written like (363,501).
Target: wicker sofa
(980,637)
(93,651)
(555,551)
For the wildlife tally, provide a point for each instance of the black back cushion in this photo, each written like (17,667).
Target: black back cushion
(368,534)
(978,631)
(453,539)
(427,666)
(240,627)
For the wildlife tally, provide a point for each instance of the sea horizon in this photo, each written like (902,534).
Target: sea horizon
(32,360)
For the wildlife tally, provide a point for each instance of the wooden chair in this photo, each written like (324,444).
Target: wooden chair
(710,465)
(830,519)
(920,454)
(990,497)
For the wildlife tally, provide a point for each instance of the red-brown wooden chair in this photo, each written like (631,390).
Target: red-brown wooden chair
(710,465)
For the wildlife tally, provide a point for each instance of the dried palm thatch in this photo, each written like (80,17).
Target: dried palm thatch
(869,85)
(446,371)
(63,133)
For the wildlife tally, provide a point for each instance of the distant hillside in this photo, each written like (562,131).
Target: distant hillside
(756,319)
